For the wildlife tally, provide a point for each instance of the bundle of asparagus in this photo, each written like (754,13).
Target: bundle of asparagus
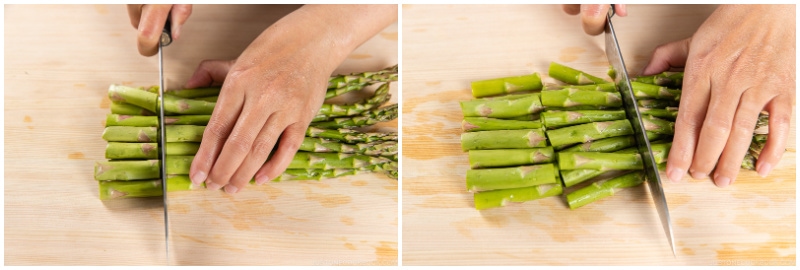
(526,142)
(333,147)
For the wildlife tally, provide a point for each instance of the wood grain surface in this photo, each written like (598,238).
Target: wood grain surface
(59,62)
(445,47)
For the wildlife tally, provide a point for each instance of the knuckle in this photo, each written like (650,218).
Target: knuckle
(239,144)
(262,147)
(216,130)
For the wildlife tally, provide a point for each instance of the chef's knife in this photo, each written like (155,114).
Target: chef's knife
(166,39)
(634,116)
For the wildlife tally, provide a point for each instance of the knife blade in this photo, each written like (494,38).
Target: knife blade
(623,82)
(166,39)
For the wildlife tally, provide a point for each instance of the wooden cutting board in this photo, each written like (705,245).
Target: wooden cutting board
(446,47)
(59,62)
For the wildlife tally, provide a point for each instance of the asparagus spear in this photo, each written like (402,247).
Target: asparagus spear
(643,90)
(556,119)
(667,112)
(471,124)
(327,161)
(656,125)
(174,133)
(503,139)
(385,75)
(602,189)
(668,79)
(512,177)
(371,117)
(122,150)
(149,101)
(502,108)
(320,145)
(656,103)
(349,135)
(140,169)
(152,121)
(603,87)
(599,161)
(143,188)
(128,109)
(589,132)
(510,157)
(506,85)
(380,96)
(574,97)
(572,76)
(192,93)
(501,197)
(609,144)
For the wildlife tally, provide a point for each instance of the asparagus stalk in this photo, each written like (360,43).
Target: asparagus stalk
(195,93)
(602,189)
(599,161)
(320,145)
(503,139)
(471,124)
(603,87)
(121,150)
(128,109)
(574,97)
(572,76)
(371,117)
(666,113)
(506,85)
(501,197)
(659,126)
(349,135)
(502,108)
(556,119)
(513,177)
(643,90)
(380,96)
(510,157)
(140,169)
(589,132)
(152,121)
(385,75)
(656,103)
(668,79)
(174,133)
(609,144)
(143,188)
(327,161)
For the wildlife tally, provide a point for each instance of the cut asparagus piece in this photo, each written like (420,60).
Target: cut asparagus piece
(572,76)
(471,124)
(121,150)
(152,121)
(513,177)
(602,189)
(574,97)
(609,144)
(501,197)
(510,157)
(656,103)
(503,139)
(502,108)
(643,90)
(506,85)
(603,87)
(193,93)
(556,119)
(599,161)
(385,75)
(656,125)
(128,109)
(589,132)
(140,169)
(149,101)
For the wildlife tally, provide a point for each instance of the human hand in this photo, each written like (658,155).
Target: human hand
(593,17)
(739,62)
(274,89)
(150,20)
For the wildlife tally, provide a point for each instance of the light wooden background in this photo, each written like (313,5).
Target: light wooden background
(59,62)
(446,47)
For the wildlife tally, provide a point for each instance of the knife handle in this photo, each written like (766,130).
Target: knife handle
(166,34)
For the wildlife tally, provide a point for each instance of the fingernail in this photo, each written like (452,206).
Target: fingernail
(212,186)
(763,169)
(261,180)
(675,174)
(230,189)
(177,32)
(198,178)
(698,176)
(722,181)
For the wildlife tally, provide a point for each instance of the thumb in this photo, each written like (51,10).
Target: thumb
(210,72)
(666,56)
